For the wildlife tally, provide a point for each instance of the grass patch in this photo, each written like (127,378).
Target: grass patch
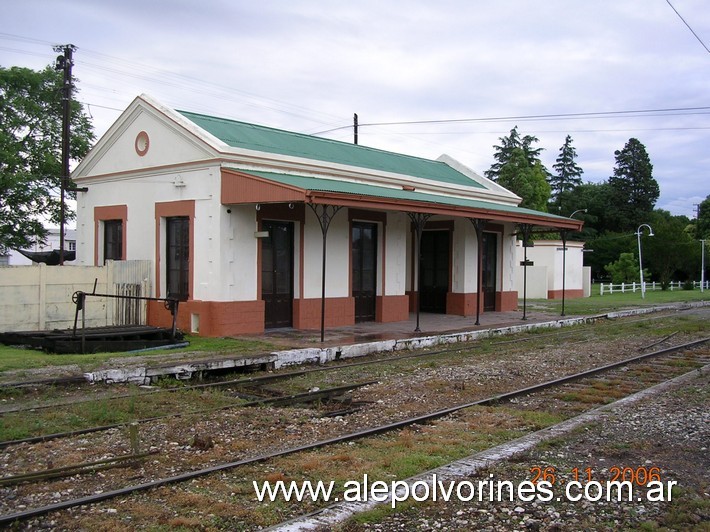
(19,425)
(596,304)
(687,511)
(19,358)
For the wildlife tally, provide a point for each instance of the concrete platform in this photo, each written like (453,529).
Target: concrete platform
(429,324)
(304,347)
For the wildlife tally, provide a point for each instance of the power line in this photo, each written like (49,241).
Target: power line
(688,26)
(126,68)
(556,116)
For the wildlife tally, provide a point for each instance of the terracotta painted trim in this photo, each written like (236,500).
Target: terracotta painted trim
(392,308)
(506,301)
(339,312)
(570,293)
(170,209)
(216,318)
(237,187)
(462,304)
(377,203)
(110,212)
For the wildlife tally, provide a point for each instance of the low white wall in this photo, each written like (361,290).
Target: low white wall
(537,278)
(39,297)
(587,280)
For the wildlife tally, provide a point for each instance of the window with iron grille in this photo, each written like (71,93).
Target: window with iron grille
(177,272)
(113,240)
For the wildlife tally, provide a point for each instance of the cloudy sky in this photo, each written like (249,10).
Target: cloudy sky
(465,71)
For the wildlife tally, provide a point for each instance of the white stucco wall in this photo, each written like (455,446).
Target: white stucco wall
(337,279)
(239,254)
(464,264)
(536,285)
(397,231)
(548,254)
(167,145)
(141,194)
(508,259)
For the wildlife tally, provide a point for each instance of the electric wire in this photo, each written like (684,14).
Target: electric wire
(688,26)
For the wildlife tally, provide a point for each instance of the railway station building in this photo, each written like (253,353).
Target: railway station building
(249,226)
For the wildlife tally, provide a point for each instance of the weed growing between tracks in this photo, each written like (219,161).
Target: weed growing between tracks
(106,411)
(227,501)
(406,384)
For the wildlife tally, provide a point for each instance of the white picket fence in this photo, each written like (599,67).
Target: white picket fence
(609,288)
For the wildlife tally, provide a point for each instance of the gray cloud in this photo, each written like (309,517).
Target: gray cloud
(309,65)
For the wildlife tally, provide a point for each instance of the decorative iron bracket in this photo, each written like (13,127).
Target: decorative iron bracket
(526,230)
(419,220)
(325,214)
(479,224)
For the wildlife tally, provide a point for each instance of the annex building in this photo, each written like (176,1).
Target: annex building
(250,226)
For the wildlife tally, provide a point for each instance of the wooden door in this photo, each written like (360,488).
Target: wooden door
(364,270)
(277,274)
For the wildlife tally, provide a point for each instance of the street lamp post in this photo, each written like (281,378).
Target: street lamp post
(702,267)
(638,235)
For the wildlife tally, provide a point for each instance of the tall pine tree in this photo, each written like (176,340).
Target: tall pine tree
(634,189)
(504,152)
(529,181)
(567,176)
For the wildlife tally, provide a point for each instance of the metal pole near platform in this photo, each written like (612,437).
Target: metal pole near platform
(325,214)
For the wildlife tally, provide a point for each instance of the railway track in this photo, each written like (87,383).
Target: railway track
(577,391)
(251,388)
(581,334)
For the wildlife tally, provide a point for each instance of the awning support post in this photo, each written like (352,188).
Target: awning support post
(419,220)
(526,230)
(325,214)
(479,224)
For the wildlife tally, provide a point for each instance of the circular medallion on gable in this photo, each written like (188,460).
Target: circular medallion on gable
(142,143)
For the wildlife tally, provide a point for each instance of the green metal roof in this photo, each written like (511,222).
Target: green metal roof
(260,138)
(348,187)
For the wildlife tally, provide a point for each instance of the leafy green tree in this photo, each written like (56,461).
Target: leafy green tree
(30,152)
(595,198)
(504,152)
(526,180)
(671,254)
(607,248)
(567,174)
(702,224)
(625,269)
(634,189)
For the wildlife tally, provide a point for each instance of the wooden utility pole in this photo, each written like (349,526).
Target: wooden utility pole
(64,63)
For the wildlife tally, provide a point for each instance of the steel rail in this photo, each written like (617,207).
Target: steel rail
(268,401)
(79,379)
(424,418)
(268,378)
